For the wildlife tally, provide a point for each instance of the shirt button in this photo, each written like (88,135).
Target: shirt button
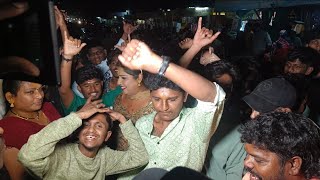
(158,142)
(155,163)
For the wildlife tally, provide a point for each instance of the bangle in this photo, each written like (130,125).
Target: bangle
(164,65)
(65,59)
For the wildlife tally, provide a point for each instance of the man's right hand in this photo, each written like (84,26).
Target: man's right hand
(90,108)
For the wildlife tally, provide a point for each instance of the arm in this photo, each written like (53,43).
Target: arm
(35,154)
(71,47)
(137,55)
(202,37)
(61,23)
(127,30)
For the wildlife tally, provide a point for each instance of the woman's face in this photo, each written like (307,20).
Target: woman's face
(29,97)
(128,83)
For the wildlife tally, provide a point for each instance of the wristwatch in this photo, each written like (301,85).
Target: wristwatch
(164,65)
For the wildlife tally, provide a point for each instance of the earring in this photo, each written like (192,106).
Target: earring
(11,105)
(139,83)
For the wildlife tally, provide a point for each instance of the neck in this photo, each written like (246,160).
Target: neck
(142,93)
(88,153)
(25,115)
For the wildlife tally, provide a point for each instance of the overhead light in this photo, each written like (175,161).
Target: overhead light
(168,10)
(202,8)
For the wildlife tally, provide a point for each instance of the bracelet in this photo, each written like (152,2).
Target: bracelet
(164,65)
(65,59)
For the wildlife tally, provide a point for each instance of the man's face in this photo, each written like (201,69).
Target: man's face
(92,88)
(315,44)
(263,164)
(168,103)
(96,55)
(93,134)
(295,67)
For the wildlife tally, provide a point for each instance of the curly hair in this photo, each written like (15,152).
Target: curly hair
(305,55)
(155,82)
(88,72)
(287,135)
(217,69)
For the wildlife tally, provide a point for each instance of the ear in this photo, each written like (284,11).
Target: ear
(185,97)
(140,77)
(108,136)
(309,71)
(9,97)
(295,165)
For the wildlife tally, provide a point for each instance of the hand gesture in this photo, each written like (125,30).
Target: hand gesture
(115,116)
(137,55)
(186,43)
(203,36)
(71,46)
(60,21)
(90,108)
(128,28)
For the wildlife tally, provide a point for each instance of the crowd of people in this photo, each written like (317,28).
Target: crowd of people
(136,112)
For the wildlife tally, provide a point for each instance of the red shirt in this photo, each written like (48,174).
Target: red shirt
(17,130)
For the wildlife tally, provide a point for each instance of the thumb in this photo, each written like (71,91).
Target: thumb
(215,36)
(83,45)
(89,100)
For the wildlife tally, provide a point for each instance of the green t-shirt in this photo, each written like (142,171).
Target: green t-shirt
(107,99)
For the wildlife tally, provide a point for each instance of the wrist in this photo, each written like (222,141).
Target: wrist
(164,65)
(67,57)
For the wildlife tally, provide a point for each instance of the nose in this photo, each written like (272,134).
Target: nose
(119,81)
(38,94)
(164,106)
(248,162)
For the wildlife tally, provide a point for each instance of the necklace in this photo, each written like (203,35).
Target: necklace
(140,95)
(25,118)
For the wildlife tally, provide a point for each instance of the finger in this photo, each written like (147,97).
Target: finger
(89,100)
(199,24)
(215,36)
(83,45)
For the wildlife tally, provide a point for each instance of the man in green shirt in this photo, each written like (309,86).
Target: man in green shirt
(46,158)
(89,79)
(175,135)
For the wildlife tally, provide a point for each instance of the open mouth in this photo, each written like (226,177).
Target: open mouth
(91,137)
(254,177)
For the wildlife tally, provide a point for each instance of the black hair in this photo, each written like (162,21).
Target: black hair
(287,135)
(88,72)
(11,86)
(108,119)
(155,82)
(305,55)
(217,69)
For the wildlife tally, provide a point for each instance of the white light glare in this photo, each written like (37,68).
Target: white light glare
(201,8)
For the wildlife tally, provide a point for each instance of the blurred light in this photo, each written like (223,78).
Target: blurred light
(222,13)
(115,17)
(79,22)
(168,9)
(201,8)
(191,7)
(122,17)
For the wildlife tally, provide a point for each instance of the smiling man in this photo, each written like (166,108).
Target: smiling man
(89,158)
(281,146)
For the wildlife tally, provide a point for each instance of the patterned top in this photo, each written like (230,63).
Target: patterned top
(121,142)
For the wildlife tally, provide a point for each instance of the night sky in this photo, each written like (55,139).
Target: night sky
(105,7)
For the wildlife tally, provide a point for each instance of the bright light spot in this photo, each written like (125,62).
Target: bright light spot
(79,22)
(115,17)
(168,9)
(191,7)
(201,8)
(98,17)
(222,14)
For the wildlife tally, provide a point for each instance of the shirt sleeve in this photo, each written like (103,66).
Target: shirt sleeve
(136,156)
(34,155)
(207,115)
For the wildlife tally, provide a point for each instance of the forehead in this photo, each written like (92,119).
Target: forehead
(295,61)
(99,118)
(26,84)
(166,92)
(94,49)
(91,81)
(255,151)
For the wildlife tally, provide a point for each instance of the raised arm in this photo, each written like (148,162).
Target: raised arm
(137,55)
(71,47)
(35,154)
(202,37)
(61,23)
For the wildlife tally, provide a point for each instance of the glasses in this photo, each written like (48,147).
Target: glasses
(98,53)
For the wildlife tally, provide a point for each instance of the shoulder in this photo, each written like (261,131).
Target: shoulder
(50,111)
